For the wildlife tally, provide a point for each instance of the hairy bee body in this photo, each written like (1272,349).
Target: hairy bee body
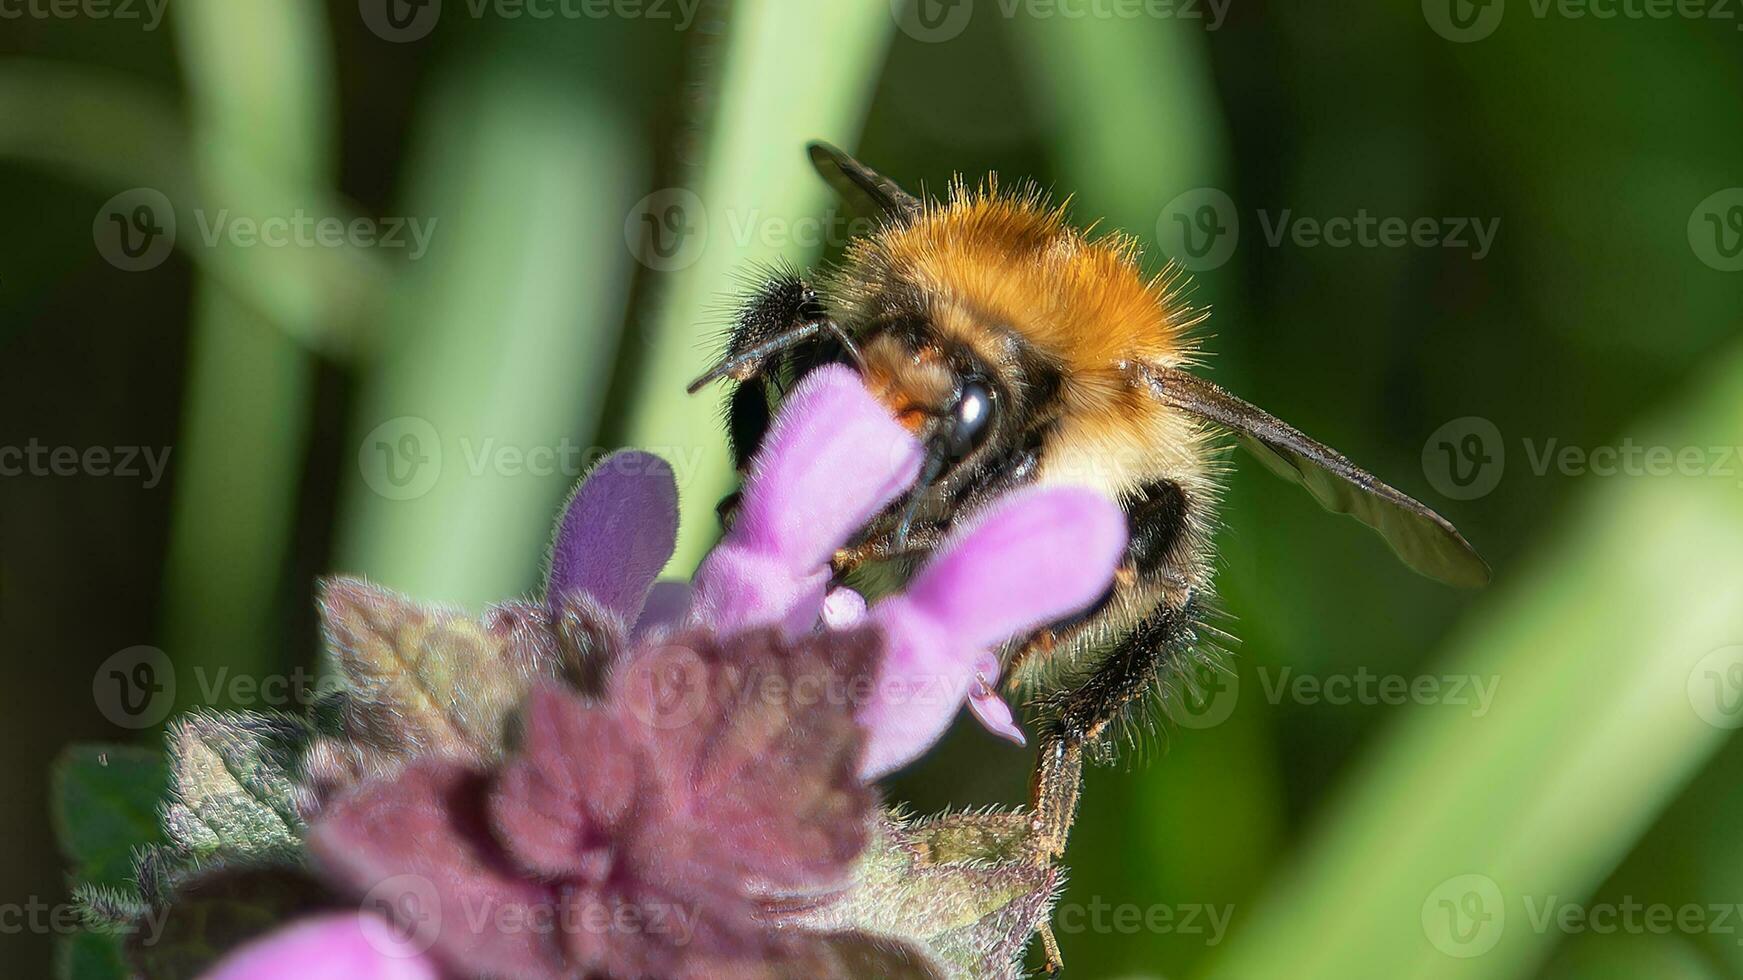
(1022,350)
(1000,286)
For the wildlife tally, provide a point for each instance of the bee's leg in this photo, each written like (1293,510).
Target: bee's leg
(1050,949)
(1129,673)
(1160,564)
(922,538)
(747,419)
(1054,789)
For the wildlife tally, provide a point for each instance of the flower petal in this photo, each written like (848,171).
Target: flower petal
(1002,575)
(616,532)
(352,945)
(667,605)
(1034,558)
(418,849)
(573,780)
(754,747)
(990,709)
(832,459)
(995,715)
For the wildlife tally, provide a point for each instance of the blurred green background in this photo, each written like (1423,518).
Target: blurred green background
(330,392)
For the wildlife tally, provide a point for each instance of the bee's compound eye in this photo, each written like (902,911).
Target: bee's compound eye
(972,418)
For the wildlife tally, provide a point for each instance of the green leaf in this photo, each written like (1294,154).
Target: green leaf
(1606,661)
(102,908)
(105,802)
(962,887)
(423,680)
(90,956)
(858,954)
(235,791)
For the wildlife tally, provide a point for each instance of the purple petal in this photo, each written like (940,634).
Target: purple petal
(995,715)
(617,532)
(990,709)
(832,459)
(572,781)
(667,605)
(418,848)
(1035,557)
(351,945)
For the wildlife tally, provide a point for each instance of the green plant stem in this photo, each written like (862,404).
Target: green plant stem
(257,78)
(1595,650)
(754,179)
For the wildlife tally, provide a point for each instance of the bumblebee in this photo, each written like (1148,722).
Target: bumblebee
(1022,350)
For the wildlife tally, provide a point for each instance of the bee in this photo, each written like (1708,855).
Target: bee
(1022,350)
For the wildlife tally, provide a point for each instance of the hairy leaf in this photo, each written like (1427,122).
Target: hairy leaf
(962,887)
(427,681)
(234,793)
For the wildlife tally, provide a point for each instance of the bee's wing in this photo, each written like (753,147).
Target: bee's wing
(1423,539)
(858,183)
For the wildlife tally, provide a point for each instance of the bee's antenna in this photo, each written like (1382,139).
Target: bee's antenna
(846,343)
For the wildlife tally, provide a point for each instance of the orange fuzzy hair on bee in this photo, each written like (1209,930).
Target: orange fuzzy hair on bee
(1081,300)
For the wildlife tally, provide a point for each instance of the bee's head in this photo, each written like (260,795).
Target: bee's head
(951,399)
(945,397)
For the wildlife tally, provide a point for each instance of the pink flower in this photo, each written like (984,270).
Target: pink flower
(719,770)
(833,459)
(635,836)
